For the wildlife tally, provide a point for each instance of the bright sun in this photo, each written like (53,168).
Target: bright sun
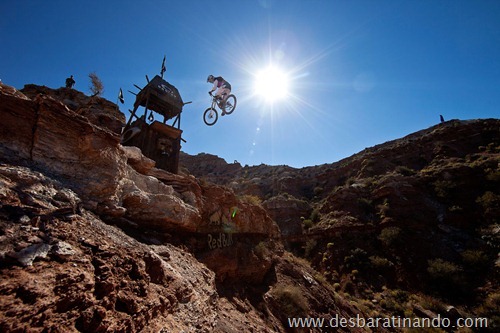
(272,84)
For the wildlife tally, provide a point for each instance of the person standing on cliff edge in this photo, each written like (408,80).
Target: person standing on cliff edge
(70,82)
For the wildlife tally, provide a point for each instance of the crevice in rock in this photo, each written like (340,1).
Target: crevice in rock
(34,129)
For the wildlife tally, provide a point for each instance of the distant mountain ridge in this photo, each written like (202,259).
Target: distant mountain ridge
(455,138)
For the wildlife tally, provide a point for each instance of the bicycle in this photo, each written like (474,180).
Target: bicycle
(211,116)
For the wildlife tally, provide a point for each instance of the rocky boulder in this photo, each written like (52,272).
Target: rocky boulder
(289,213)
(63,269)
(97,110)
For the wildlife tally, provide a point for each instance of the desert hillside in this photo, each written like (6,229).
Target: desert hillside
(94,238)
(418,215)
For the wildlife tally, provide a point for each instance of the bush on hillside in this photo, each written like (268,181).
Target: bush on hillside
(390,236)
(290,300)
(251,199)
(96,85)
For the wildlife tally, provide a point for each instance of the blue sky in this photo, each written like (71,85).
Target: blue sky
(360,72)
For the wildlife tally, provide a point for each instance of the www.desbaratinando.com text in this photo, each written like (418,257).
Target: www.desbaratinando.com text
(387,322)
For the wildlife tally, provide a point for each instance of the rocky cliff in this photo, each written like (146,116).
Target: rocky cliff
(418,215)
(94,238)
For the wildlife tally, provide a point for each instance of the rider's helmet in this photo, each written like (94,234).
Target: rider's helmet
(211,78)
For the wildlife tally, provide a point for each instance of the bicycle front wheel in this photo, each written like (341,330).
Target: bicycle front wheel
(230,104)
(210,116)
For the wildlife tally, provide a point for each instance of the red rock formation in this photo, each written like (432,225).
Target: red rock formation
(383,215)
(380,218)
(97,110)
(117,182)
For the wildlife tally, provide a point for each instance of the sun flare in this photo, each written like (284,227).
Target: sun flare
(272,84)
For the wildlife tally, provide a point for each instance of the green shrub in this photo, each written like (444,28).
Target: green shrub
(493,175)
(325,258)
(390,236)
(489,200)
(315,215)
(251,199)
(320,278)
(393,306)
(400,295)
(405,171)
(443,188)
(492,147)
(380,263)
(318,190)
(432,303)
(358,258)
(475,259)
(262,251)
(307,224)
(290,300)
(440,269)
(350,181)
(491,309)
(383,209)
(448,279)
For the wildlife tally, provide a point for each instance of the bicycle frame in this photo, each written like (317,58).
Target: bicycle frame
(226,106)
(216,101)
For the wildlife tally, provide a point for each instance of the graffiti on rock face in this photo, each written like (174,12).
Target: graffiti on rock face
(219,241)
(223,220)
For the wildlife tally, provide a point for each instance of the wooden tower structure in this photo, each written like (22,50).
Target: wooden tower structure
(157,140)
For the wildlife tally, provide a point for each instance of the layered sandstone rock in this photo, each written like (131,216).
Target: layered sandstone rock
(119,183)
(380,217)
(97,110)
(63,269)
(289,212)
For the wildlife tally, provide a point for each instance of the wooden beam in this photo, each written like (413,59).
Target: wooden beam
(132,114)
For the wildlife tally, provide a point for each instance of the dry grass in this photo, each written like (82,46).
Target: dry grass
(291,300)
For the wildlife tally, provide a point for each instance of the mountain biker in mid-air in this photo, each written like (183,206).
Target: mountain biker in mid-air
(223,88)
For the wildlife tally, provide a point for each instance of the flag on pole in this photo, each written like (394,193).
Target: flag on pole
(120,96)
(163,68)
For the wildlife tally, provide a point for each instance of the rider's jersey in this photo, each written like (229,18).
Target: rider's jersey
(219,82)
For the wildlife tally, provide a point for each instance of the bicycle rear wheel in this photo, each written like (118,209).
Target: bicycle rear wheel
(230,104)
(210,116)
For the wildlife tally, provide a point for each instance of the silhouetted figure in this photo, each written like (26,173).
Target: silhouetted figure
(441,118)
(70,82)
